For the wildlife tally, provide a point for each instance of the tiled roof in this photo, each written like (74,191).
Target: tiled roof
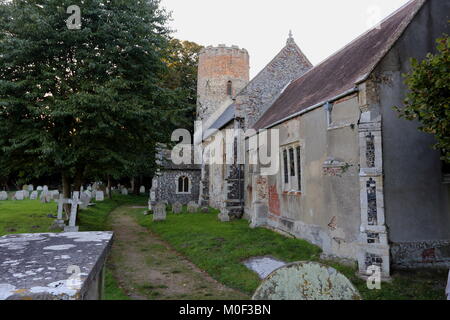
(341,71)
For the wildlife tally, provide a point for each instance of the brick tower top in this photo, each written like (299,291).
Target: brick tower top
(222,73)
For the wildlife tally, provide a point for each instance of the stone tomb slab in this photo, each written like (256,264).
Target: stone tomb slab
(306,281)
(263,266)
(53,266)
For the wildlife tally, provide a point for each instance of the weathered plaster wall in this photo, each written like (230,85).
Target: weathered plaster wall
(416,200)
(217,172)
(327,210)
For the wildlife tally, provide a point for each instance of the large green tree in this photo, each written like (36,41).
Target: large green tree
(74,100)
(182,61)
(428,100)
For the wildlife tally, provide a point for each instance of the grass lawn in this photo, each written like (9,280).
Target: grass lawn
(219,249)
(31,216)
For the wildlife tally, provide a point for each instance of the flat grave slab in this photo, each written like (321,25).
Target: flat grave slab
(53,266)
(306,281)
(263,266)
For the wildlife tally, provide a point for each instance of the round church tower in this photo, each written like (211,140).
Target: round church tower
(222,73)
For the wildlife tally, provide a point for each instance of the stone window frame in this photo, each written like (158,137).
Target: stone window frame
(293,179)
(177,183)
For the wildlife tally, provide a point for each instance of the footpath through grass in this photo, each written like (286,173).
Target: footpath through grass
(32,216)
(220,248)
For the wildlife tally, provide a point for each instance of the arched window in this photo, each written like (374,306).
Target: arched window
(183,184)
(230,88)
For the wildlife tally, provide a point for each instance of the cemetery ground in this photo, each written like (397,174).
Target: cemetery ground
(194,256)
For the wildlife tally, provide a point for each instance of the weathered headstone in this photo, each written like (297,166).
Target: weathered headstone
(39,188)
(88,193)
(99,196)
(19,195)
(34,195)
(142,190)
(30,188)
(54,194)
(45,196)
(59,222)
(159,212)
(84,200)
(45,188)
(192,207)
(26,194)
(73,213)
(177,208)
(125,191)
(3,195)
(25,187)
(306,281)
(223,215)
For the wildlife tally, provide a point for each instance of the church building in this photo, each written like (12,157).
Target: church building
(354,178)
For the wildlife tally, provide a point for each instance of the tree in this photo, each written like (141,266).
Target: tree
(428,100)
(182,62)
(74,101)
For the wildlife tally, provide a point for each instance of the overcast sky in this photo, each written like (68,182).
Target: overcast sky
(320,27)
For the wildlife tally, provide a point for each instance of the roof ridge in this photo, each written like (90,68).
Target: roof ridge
(274,59)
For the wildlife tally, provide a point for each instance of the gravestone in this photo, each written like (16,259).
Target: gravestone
(142,190)
(125,191)
(177,208)
(59,222)
(34,195)
(306,281)
(159,212)
(3,195)
(192,207)
(46,197)
(39,188)
(73,213)
(54,194)
(84,200)
(53,266)
(30,188)
(25,187)
(26,194)
(19,195)
(45,188)
(89,194)
(99,196)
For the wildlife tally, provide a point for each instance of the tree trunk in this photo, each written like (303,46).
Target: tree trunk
(66,192)
(132,182)
(109,187)
(78,182)
(136,186)
(78,179)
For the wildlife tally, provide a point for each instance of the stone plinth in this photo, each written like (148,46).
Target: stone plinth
(53,266)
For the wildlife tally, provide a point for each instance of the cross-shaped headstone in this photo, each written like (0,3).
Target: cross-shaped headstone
(61,202)
(73,213)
